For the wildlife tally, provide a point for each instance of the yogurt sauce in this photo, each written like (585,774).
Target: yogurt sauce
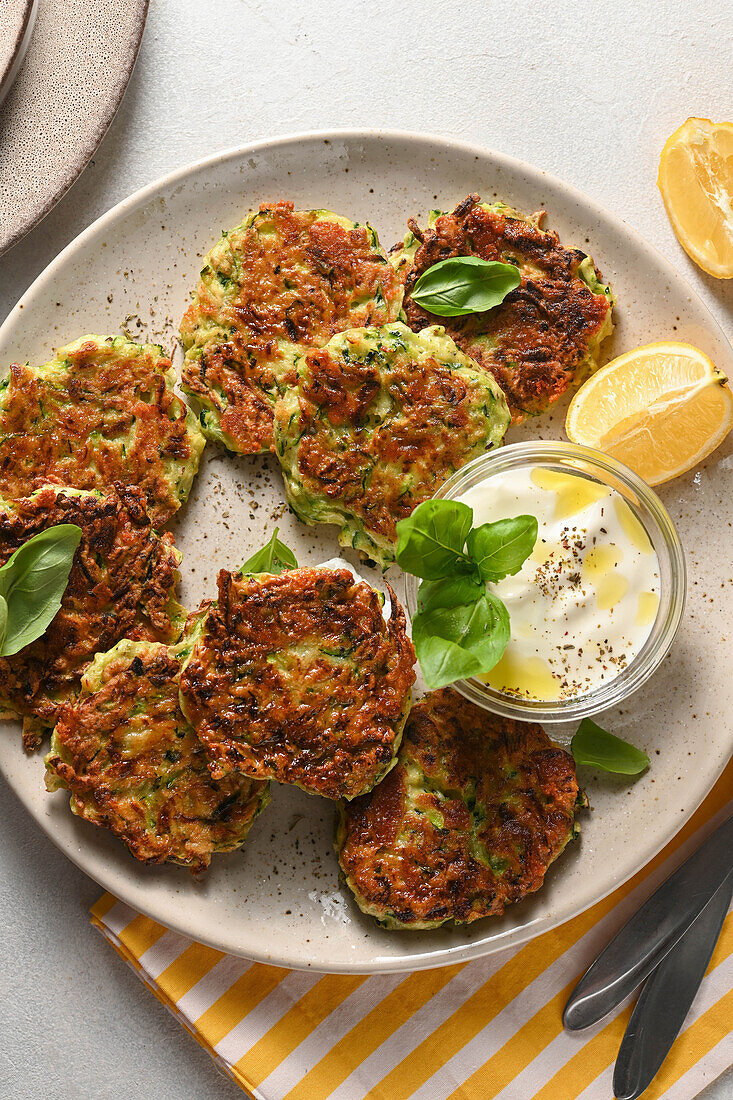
(585,600)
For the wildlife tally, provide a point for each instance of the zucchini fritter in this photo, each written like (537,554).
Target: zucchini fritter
(134,765)
(122,584)
(547,333)
(468,821)
(374,422)
(299,678)
(102,411)
(283,276)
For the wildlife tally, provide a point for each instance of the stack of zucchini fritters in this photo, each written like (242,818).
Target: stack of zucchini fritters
(301,339)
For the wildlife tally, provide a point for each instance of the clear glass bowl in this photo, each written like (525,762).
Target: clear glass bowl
(648,508)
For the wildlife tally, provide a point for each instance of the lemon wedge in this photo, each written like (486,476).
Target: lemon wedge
(660,409)
(696,181)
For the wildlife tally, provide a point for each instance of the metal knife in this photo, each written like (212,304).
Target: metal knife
(652,932)
(665,1000)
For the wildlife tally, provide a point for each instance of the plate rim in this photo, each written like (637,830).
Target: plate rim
(14,59)
(85,155)
(514,937)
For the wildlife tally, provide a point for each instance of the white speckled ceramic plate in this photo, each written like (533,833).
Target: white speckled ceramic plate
(279,900)
(64,97)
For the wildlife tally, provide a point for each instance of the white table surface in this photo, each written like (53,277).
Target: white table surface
(586,91)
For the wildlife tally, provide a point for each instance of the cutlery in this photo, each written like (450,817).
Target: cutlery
(652,932)
(666,998)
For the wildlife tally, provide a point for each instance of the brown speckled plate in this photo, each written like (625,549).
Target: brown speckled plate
(279,900)
(62,100)
(17,19)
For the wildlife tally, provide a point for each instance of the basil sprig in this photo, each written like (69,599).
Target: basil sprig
(594,746)
(460,629)
(32,584)
(464,284)
(274,557)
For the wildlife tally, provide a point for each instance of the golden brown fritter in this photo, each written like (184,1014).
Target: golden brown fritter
(122,584)
(546,334)
(134,765)
(282,277)
(374,422)
(102,411)
(298,678)
(468,821)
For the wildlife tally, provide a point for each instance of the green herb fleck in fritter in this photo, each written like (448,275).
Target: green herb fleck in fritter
(546,334)
(298,678)
(374,422)
(282,277)
(469,820)
(134,766)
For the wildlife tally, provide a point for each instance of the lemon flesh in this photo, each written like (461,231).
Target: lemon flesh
(660,409)
(696,181)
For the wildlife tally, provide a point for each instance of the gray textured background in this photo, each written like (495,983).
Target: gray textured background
(587,92)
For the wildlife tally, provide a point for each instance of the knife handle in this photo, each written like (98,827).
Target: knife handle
(666,998)
(652,931)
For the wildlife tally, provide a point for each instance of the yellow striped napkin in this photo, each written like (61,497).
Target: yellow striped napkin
(489,1028)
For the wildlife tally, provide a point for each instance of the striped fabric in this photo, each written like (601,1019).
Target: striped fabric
(472,1031)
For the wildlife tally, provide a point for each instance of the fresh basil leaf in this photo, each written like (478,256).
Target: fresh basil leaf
(430,541)
(453,643)
(501,548)
(33,582)
(464,284)
(442,661)
(448,591)
(275,557)
(597,748)
(3,620)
